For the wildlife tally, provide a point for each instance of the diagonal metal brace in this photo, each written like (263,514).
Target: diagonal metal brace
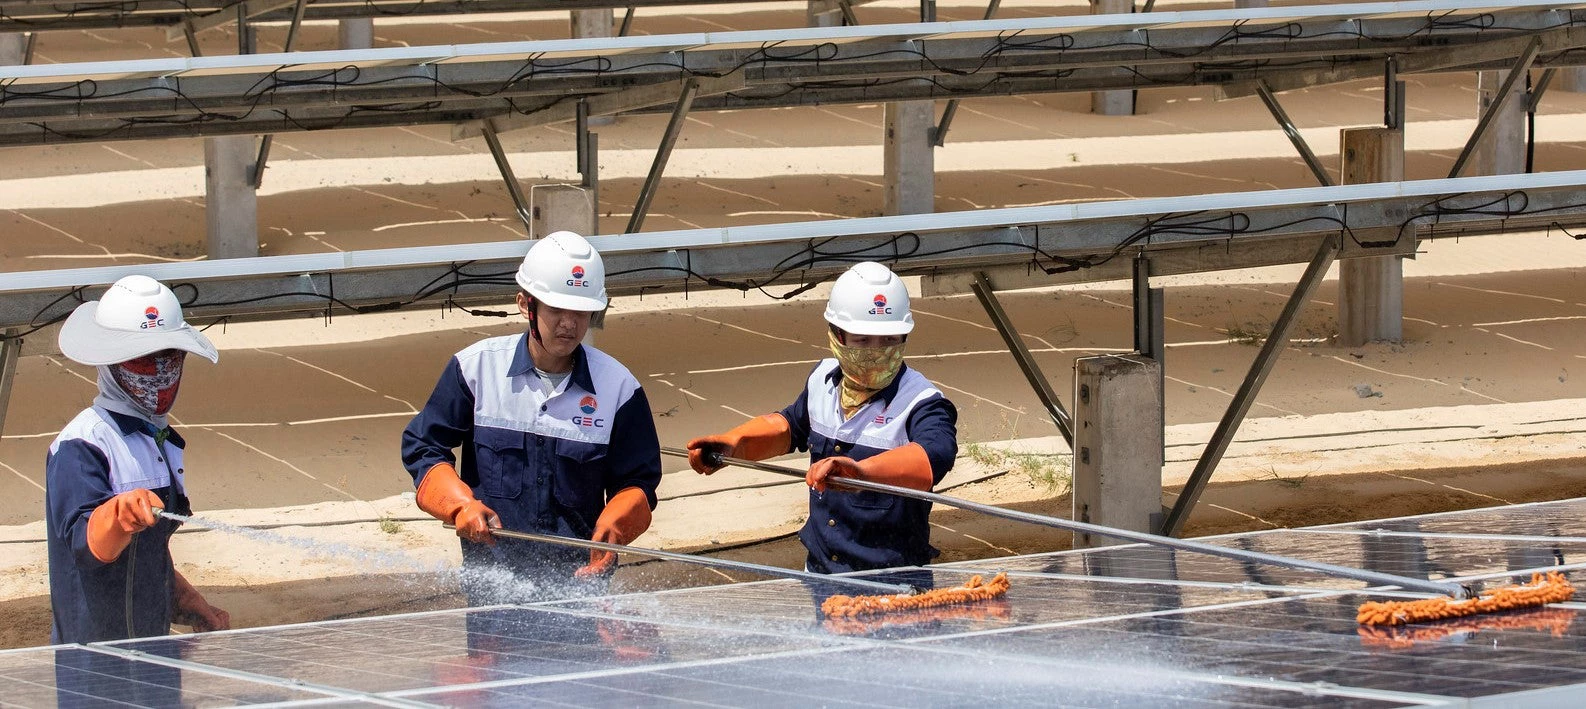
(939,133)
(266,141)
(1521,67)
(662,154)
(514,189)
(1265,360)
(1267,97)
(1021,354)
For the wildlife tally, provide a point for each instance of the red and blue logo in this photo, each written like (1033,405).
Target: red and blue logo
(577,281)
(883,419)
(588,406)
(151,318)
(880,303)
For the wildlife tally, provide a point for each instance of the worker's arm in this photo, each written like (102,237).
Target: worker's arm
(918,465)
(758,438)
(95,522)
(446,422)
(189,608)
(633,471)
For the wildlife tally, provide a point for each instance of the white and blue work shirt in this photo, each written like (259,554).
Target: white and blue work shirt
(546,460)
(99,455)
(859,530)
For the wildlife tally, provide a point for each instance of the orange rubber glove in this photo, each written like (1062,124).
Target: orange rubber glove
(447,498)
(759,438)
(112,524)
(904,466)
(189,608)
(625,517)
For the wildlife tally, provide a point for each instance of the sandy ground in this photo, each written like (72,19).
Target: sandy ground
(296,430)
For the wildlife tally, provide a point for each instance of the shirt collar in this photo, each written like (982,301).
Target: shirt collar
(523,364)
(132,424)
(887,393)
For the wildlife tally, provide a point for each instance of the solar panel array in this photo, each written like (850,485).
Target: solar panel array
(1128,625)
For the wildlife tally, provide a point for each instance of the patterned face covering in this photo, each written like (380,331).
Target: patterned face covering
(152,380)
(866,370)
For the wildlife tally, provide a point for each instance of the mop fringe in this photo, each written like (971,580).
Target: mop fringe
(1554,621)
(973,590)
(1551,588)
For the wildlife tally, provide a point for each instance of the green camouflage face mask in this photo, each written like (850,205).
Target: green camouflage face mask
(866,370)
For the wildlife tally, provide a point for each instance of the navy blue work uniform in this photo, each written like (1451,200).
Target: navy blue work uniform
(546,463)
(99,455)
(860,530)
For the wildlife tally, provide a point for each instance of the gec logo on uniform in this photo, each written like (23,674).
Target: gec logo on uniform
(577,281)
(880,303)
(151,319)
(588,406)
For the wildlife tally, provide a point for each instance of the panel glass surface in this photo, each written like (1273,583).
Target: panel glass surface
(1317,640)
(1552,519)
(790,607)
(1147,562)
(385,654)
(73,677)
(892,677)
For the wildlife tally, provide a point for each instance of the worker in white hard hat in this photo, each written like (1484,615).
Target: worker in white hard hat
(556,438)
(863,414)
(111,467)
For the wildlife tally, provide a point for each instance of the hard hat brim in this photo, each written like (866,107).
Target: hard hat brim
(889,327)
(85,341)
(569,302)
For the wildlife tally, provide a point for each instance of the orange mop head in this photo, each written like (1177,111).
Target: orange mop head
(992,610)
(972,591)
(1555,621)
(1542,590)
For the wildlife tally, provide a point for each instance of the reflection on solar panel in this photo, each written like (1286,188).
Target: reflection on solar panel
(1126,625)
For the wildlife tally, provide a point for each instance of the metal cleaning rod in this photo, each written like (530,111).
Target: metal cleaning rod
(1371,577)
(873,586)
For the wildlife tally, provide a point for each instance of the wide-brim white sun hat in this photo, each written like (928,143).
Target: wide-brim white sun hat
(137,316)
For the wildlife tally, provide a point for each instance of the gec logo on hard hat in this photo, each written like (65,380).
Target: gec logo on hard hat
(880,301)
(577,281)
(151,319)
(588,406)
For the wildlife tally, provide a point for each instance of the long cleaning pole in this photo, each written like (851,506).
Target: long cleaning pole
(1371,577)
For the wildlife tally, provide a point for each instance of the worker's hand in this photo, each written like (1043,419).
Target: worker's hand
(624,518)
(826,468)
(189,608)
(721,444)
(112,524)
(474,521)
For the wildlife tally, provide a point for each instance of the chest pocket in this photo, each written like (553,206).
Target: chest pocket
(580,476)
(501,458)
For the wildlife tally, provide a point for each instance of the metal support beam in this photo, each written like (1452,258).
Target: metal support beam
(1522,66)
(588,161)
(1392,96)
(1541,87)
(10,352)
(192,37)
(27,49)
(265,142)
(927,10)
(1265,92)
(1148,315)
(1021,355)
(662,154)
(627,22)
(514,189)
(215,20)
(638,97)
(1265,360)
(939,133)
(847,8)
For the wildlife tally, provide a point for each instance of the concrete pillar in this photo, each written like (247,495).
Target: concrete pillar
(355,33)
(1112,103)
(1371,290)
(1117,444)
(562,207)
(823,13)
(909,159)
(1502,151)
(231,205)
(13,45)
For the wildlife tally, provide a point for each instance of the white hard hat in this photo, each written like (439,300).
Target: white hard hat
(137,316)
(869,299)
(563,271)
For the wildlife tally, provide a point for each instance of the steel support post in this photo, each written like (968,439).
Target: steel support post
(1392,96)
(192,37)
(1271,101)
(1265,360)
(1148,315)
(939,133)
(515,190)
(10,352)
(27,49)
(847,8)
(264,143)
(1522,66)
(1021,355)
(588,157)
(1542,84)
(662,154)
(627,23)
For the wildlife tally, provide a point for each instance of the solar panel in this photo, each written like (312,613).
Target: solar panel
(1128,625)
